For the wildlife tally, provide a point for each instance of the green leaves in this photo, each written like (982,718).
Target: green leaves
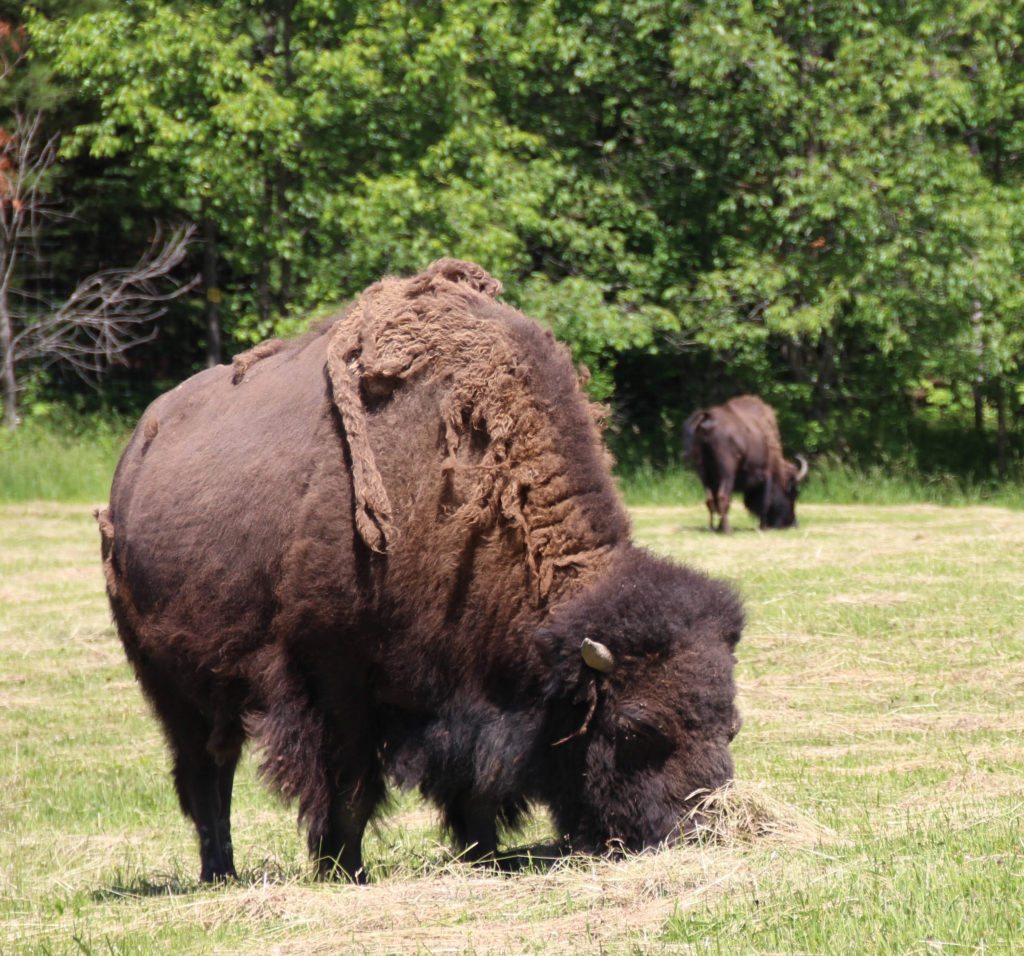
(826,202)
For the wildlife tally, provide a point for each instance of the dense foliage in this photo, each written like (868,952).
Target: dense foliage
(819,203)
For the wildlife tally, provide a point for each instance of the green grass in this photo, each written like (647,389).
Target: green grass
(937,888)
(834,482)
(73,461)
(880,677)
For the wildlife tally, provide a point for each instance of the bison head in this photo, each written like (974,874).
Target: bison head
(646,659)
(779,510)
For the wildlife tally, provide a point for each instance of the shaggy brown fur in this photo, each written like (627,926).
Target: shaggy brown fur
(378,557)
(434,326)
(736,446)
(244,360)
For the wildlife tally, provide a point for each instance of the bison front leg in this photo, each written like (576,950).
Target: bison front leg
(473,824)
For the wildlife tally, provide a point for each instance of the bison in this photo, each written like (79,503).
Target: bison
(392,551)
(736,446)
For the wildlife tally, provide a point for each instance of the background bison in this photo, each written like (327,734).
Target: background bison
(392,548)
(736,446)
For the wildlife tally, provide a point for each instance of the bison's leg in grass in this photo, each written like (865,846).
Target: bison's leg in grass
(206,787)
(723,496)
(205,756)
(473,823)
(710,501)
(765,502)
(338,850)
(353,784)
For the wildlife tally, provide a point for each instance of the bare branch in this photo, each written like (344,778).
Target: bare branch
(109,312)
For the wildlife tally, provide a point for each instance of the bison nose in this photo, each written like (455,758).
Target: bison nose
(737,723)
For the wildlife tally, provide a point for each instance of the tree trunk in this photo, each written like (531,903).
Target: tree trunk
(213,293)
(825,359)
(282,178)
(979,372)
(1002,437)
(10,381)
(263,269)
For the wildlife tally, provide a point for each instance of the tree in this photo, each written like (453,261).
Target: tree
(820,205)
(104,316)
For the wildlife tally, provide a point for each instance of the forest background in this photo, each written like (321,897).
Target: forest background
(820,202)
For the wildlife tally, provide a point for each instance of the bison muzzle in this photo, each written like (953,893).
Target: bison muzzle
(391,550)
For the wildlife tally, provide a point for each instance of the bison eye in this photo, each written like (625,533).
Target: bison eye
(640,739)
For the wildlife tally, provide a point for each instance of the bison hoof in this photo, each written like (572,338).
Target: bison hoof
(218,875)
(332,871)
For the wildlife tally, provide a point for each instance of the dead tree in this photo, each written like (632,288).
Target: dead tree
(107,314)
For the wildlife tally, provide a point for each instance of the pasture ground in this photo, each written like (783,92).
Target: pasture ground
(879,809)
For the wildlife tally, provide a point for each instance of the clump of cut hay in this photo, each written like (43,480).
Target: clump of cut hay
(745,812)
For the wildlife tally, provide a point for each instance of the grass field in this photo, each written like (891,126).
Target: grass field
(879,806)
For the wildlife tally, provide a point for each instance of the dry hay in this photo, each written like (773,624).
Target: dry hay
(873,598)
(579,903)
(747,812)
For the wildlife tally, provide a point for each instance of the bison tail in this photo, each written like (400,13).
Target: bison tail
(102,516)
(694,422)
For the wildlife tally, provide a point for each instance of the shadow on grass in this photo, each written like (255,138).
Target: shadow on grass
(126,886)
(704,529)
(142,888)
(538,858)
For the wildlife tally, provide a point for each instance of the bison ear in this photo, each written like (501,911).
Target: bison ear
(560,666)
(546,647)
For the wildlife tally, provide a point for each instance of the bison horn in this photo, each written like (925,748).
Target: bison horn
(597,656)
(804,468)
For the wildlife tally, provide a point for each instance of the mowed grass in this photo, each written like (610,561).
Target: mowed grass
(879,805)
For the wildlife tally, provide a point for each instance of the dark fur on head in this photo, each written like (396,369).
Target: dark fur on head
(665,714)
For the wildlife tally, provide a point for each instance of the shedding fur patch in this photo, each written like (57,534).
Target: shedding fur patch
(758,418)
(242,362)
(431,326)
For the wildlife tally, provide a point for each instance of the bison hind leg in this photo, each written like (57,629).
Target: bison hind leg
(334,775)
(711,503)
(205,754)
(204,789)
(473,823)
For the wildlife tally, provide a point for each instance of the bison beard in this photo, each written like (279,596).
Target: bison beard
(392,549)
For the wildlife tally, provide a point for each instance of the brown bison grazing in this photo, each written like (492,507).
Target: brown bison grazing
(736,446)
(392,550)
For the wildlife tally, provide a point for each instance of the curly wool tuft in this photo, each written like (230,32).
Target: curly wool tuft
(432,326)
